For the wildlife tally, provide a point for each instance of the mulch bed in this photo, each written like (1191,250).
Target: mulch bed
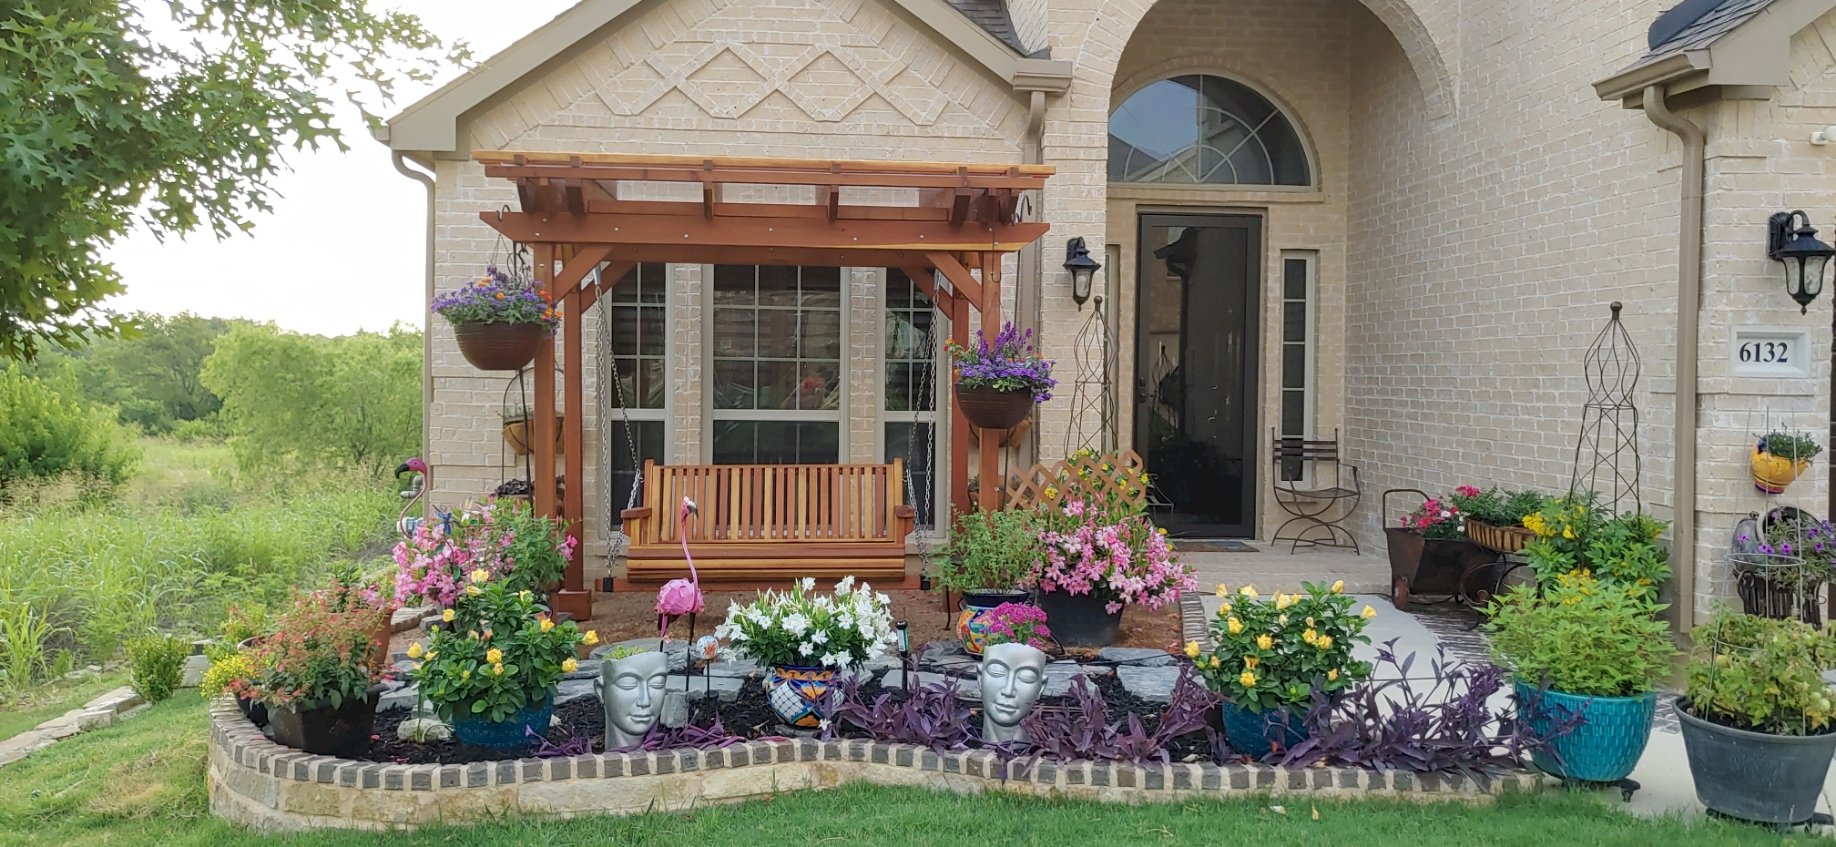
(582,725)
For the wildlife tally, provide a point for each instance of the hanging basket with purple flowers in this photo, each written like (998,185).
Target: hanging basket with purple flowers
(999,381)
(499,320)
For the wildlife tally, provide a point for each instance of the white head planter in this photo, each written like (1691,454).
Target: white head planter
(1013,676)
(632,689)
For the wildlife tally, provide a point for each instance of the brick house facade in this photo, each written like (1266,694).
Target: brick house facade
(1429,253)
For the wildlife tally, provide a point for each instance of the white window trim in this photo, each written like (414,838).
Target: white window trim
(612,416)
(710,414)
(940,464)
(1309,344)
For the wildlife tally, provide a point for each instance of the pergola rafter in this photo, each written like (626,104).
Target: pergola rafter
(935,221)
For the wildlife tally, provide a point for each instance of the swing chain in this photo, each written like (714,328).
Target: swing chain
(624,410)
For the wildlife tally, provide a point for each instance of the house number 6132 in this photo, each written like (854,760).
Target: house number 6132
(1766,352)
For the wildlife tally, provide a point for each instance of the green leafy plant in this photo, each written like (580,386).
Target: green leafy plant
(25,653)
(1581,636)
(1761,674)
(1275,652)
(1620,549)
(224,672)
(800,628)
(1497,507)
(320,653)
(1797,446)
(48,434)
(499,653)
(156,663)
(990,551)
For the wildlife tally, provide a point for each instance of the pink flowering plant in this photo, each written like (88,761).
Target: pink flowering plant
(1009,363)
(1124,561)
(1018,623)
(506,539)
(320,652)
(497,297)
(1437,518)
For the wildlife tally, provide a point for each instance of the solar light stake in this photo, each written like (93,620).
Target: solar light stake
(905,655)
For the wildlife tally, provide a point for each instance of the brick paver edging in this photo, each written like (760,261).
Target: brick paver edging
(258,783)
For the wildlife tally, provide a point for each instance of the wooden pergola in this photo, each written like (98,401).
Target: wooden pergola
(944,225)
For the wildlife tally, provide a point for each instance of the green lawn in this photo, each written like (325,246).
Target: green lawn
(141,783)
(48,701)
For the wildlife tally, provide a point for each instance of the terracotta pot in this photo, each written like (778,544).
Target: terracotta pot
(520,434)
(991,409)
(380,641)
(498,346)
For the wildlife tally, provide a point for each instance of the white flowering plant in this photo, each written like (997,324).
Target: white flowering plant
(802,628)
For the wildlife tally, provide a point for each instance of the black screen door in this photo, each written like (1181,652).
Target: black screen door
(1195,369)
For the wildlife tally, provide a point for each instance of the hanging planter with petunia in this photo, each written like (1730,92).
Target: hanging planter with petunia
(499,320)
(999,381)
(1779,457)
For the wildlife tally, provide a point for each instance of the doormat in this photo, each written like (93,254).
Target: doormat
(1212,545)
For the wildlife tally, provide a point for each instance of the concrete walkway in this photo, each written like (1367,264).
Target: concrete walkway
(1273,569)
(1663,772)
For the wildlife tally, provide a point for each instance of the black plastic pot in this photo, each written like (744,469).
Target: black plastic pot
(1080,620)
(344,731)
(1754,776)
(255,710)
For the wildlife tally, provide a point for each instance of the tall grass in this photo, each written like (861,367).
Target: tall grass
(174,550)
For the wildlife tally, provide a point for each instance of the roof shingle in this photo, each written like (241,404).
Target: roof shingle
(991,15)
(1718,19)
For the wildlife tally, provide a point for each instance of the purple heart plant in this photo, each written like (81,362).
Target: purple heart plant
(1009,363)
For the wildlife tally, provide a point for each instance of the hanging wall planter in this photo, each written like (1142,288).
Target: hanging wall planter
(500,319)
(519,434)
(1779,458)
(1000,380)
(991,409)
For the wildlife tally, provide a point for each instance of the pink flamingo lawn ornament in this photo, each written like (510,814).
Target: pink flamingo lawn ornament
(680,597)
(404,524)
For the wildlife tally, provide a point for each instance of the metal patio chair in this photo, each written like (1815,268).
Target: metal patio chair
(1318,500)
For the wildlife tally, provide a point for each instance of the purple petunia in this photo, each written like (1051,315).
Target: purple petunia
(497,298)
(1007,363)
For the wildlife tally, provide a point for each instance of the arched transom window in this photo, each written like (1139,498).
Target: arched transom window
(1204,130)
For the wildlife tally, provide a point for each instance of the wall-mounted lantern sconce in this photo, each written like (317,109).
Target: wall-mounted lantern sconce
(1792,242)
(1082,268)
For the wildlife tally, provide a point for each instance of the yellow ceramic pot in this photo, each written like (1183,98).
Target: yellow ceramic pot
(1772,474)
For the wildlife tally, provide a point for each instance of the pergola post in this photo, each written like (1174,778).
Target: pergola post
(543,476)
(573,598)
(959,422)
(993,486)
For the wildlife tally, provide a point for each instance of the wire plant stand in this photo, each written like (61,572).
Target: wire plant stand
(1607,460)
(1093,396)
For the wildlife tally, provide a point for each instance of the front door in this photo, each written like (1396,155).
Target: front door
(1195,370)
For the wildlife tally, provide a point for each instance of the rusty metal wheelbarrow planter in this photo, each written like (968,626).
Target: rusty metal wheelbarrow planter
(1430,566)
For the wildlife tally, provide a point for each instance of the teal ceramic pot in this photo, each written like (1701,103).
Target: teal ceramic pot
(1604,747)
(1256,733)
(508,734)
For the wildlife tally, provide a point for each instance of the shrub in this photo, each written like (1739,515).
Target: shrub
(1581,636)
(497,655)
(797,628)
(47,435)
(1275,653)
(224,672)
(930,716)
(1760,674)
(156,664)
(990,551)
(320,653)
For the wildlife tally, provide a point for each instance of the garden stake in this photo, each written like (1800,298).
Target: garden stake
(905,656)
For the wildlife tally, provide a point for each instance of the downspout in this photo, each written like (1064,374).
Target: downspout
(1689,312)
(427,383)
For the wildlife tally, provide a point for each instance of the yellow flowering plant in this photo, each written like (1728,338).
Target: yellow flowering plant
(1575,534)
(499,652)
(1273,652)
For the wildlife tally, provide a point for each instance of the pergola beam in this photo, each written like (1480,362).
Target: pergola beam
(737,233)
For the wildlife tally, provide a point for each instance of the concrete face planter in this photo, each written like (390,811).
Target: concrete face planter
(1012,678)
(1754,776)
(632,689)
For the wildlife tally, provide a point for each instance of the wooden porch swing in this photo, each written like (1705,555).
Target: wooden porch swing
(937,222)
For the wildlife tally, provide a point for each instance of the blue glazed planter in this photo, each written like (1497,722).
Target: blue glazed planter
(1607,744)
(506,734)
(1255,733)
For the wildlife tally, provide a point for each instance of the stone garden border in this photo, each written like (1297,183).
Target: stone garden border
(257,783)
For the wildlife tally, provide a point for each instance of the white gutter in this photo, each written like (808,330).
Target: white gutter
(400,161)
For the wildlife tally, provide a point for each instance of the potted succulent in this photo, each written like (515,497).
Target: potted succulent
(1428,547)
(1757,716)
(989,557)
(1495,519)
(498,321)
(802,638)
(491,669)
(317,674)
(1274,654)
(1093,562)
(1778,457)
(1583,648)
(999,382)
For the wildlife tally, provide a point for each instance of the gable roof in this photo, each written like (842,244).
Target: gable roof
(431,124)
(1728,43)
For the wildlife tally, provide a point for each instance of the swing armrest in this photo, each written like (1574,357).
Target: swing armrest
(635,521)
(905,516)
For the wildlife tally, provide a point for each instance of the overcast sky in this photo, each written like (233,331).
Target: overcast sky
(342,250)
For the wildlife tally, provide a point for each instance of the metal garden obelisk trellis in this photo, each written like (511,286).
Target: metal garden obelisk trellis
(1606,453)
